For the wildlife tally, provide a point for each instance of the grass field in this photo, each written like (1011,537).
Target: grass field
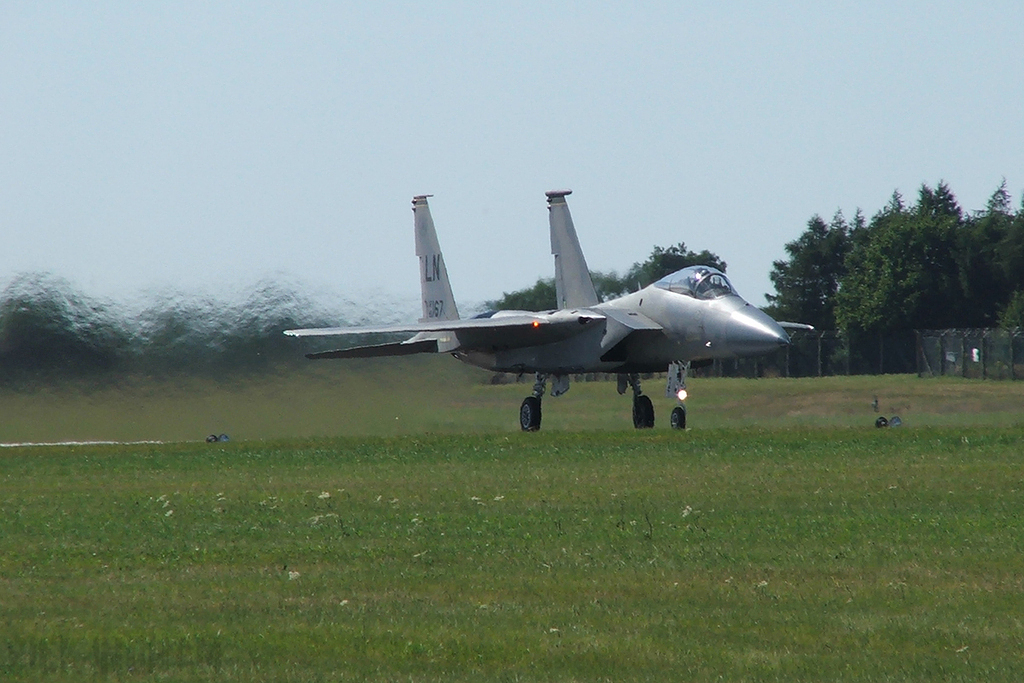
(438,394)
(784,538)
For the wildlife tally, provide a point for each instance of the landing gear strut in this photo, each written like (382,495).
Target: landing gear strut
(643,409)
(676,389)
(529,411)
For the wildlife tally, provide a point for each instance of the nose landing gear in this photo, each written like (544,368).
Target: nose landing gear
(676,388)
(678,418)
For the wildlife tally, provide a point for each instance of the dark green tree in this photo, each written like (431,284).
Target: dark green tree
(664,262)
(901,271)
(1012,317)
(1009,255)
(661,262)
(540,297)
(807,283)
(988,253)
(609,285)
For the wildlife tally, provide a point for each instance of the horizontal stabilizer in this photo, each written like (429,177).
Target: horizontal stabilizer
(378,350)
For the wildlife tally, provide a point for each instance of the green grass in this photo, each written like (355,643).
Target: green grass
(757,553)
(440,395)
(388,521)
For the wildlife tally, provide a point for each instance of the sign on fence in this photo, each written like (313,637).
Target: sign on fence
(978,353)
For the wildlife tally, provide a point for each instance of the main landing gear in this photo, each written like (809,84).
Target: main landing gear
(643,409)
(529,411)
(529,414)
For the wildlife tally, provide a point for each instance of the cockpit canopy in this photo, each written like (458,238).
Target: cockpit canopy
(700,282)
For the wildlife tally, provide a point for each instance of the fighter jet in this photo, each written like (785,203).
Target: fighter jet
(685,319)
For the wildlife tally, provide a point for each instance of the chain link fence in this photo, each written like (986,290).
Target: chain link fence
(973,353)
(822,353)
(983,353)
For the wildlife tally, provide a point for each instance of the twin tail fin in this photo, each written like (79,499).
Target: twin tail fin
(573,286)
(436,290)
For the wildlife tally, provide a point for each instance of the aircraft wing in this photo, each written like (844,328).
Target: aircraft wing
(504,331)
(406,348)
(795,326)
(631,320)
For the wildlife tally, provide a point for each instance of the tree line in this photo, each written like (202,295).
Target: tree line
(608,285)
(926,265)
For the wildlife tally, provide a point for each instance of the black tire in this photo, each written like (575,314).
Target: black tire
(529,414)
(678,418)
(643,412)
(881,422)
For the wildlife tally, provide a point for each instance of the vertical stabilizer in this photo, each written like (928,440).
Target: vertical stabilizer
(438,301)
(573,286)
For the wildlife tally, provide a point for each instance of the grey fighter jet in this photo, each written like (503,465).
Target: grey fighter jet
(690,317)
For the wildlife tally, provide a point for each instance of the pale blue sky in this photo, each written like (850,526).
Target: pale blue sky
(198,145)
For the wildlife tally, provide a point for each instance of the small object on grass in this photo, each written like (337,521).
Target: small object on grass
(881,422)
(212,438)
(223,437)
(895,421)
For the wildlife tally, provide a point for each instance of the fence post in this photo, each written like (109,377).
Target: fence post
(942,354)
(1013,370)
(846,343)
(881,354)
(920,350)
(819,353)
(984,354)
(963,359)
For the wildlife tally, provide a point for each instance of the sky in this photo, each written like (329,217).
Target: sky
(206,146)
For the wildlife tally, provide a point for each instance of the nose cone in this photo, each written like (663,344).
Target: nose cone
(751,332)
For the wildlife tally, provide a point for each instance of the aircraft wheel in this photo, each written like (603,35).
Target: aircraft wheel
(643,412)
(678,419)
(529,414)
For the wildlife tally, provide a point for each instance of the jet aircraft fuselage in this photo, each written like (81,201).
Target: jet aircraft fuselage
(617,336)
(691,316)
